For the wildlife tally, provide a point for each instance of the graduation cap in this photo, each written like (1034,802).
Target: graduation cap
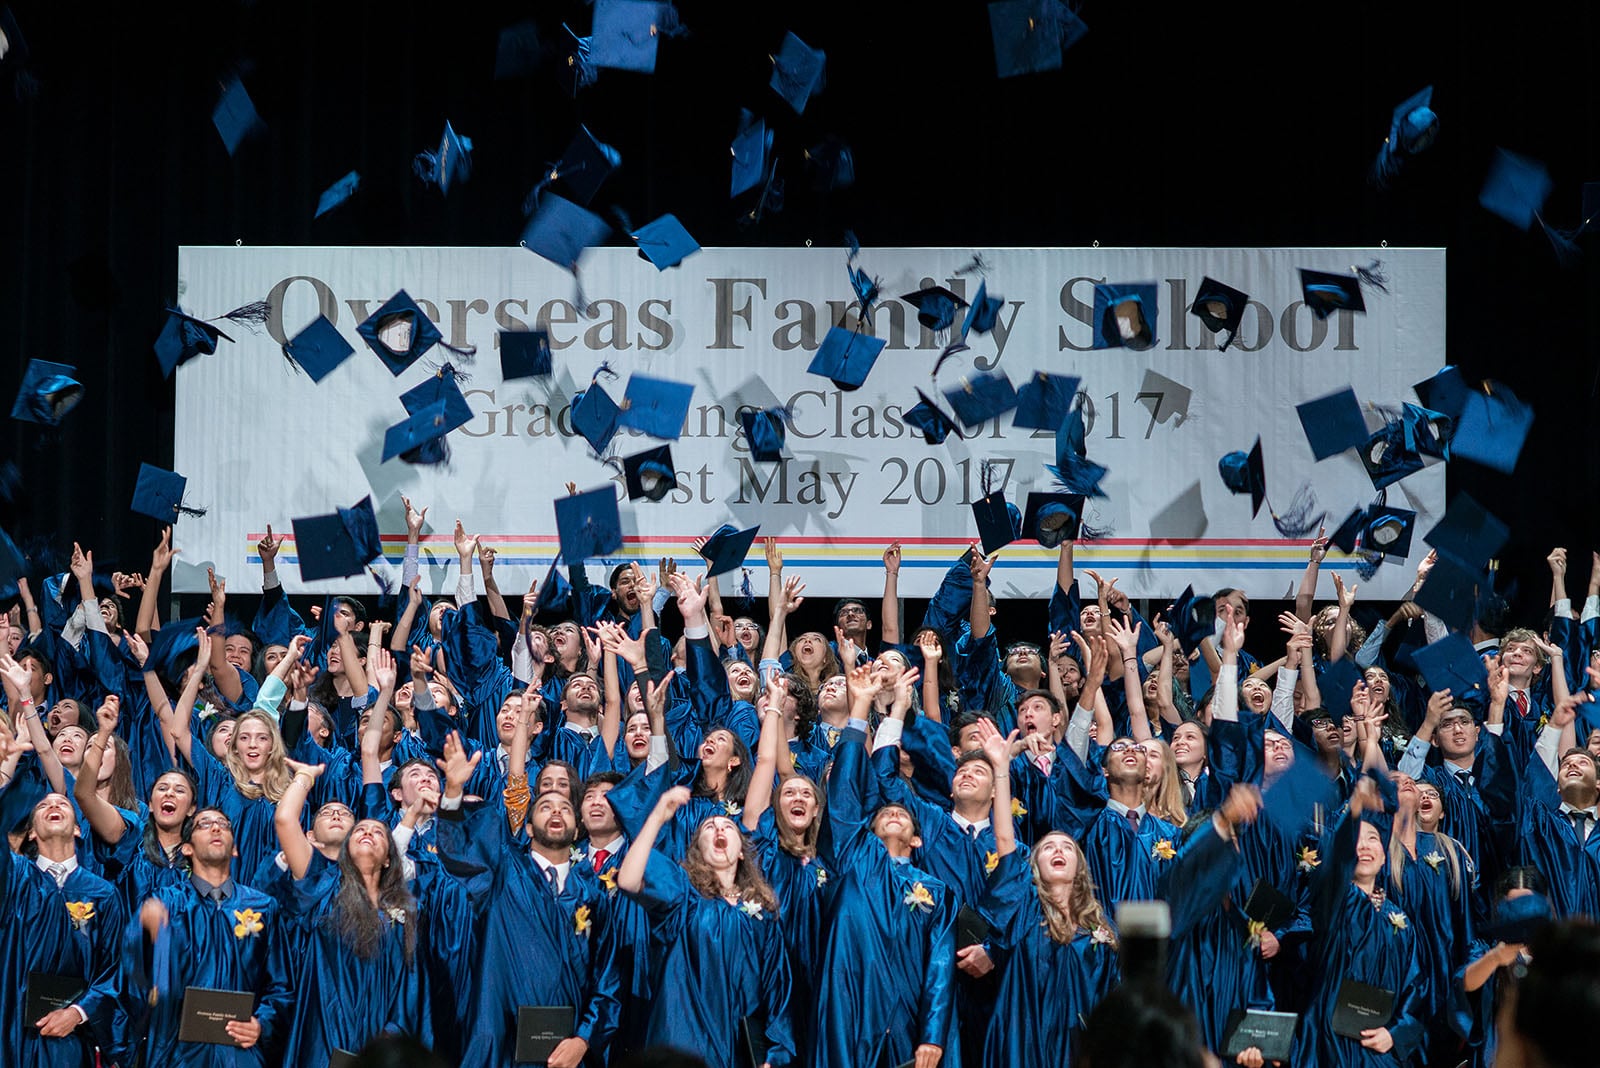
(867,288)
(1412,128)
(1294,798)
(1164,398)
(1326,293)
(764,430)
(235,116)
(1031,35)
(1338,678)
(451,164)
(999,522)
(337,194)
(1074,471)
(936,307)
(927,417)
(1451,591)
(577,68)
(1219,307)
(1245,473)
(595,415)
(585,164)
(1427,431)
(518,51)
(983,312)
(1492,428)
(419,438)
(184,337)
(12,565)
(831,165)
(1451,663)
(1515,188)
(751,146)
(158,493)
(337,545)
(1333,423)
(1446,392)
(1389,456)
(441,387)
(797,72)
(560,230)
(318,349)
(524,354)
(649,475)
(845,357)
(1565,241)
(1125,315)
(726,549)
(589,524)
(1387,531)
(48,392)
(1044,401)
(656,406)
(624,34)
(1192,618)
(1468,533)
(1052,518)
(983,397)
(1348,533)
(399,332)
(664,242)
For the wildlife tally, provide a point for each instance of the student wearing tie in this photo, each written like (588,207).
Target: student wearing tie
(544,920)
(208,932)
(1557,813)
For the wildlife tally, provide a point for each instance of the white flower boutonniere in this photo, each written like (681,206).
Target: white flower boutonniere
(1434,859)
(1399,921)
(750,908)
(397,914)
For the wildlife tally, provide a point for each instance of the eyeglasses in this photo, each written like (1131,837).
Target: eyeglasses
(852,610)
(212,823)
(1279,743)
(1123,747)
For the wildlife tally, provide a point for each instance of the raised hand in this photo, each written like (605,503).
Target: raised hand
(891,559)
(137,646)
(979,564)
(456,765)
(691,594)
(1558,562)
(486,558)
(108,712)
(1127,640)
(1499,680)
(1346,597)
(267,548)
(466,545)
(1242,804)
(312,771)
(931,652)
(904,687)
(82,565)
(996,746)
(672,801)
(414,519)
(161,558)
(863,683)
(1232,637)
(1438,705)
(643,584)
(421,666)
(382,665)
(1319,547)
(774,554)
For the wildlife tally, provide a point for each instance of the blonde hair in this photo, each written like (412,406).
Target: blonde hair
(1524,636)
(1449,847)
(1164,798)
(1086,912)
(275,776)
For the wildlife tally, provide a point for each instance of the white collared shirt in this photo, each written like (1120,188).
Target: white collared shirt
(970,828)
(562,870)
(59,870)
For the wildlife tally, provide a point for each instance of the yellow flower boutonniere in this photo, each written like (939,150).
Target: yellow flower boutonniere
(249,923)
(991,862)
(1163,850)
(1257,928)
(608,879)
(81,912)
(581,921)
(1307,859)
(1398,919)
(1017,809)
(919,898)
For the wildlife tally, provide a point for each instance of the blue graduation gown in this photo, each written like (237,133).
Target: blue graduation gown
(344,1000)
(254,835)
(1046,988)
(1356,941)
(536,947)
(235,945)
(1442,917)
(805,888)
(628,929)
(1127,865)
(721,963)
(130,868)
(1548,841)
(888,965)
(39,934)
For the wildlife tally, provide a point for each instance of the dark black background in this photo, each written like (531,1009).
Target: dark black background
(1226,125)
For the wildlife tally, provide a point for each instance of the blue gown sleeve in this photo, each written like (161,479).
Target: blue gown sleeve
(1003,897)
(951,602)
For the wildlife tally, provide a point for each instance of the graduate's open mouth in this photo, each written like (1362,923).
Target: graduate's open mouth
(798,810)
(1058,863)
(168,808)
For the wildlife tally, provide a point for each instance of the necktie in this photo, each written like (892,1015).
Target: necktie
(1521,698)
(1133,820)
(600,858)
(551,877)
(1580,823)
(58,872)
(1464,777)
(972,831)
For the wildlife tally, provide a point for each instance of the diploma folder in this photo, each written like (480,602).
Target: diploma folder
(1269,905)
(47,993)
(206,1014)
(754,1029)
(341,1058)
(971,927)
(1270,1032)
(1361,1007)
(540,1029)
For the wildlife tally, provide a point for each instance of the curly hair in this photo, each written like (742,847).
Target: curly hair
(1085,909)
(356,920)
(748,882)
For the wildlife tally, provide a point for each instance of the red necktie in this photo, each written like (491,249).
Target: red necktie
(600,858)
(1522,702)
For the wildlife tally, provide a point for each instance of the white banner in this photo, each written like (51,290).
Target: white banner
(261,443)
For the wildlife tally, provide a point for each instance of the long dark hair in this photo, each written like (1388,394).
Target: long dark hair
(154,852)
(358,923)
(737,783)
